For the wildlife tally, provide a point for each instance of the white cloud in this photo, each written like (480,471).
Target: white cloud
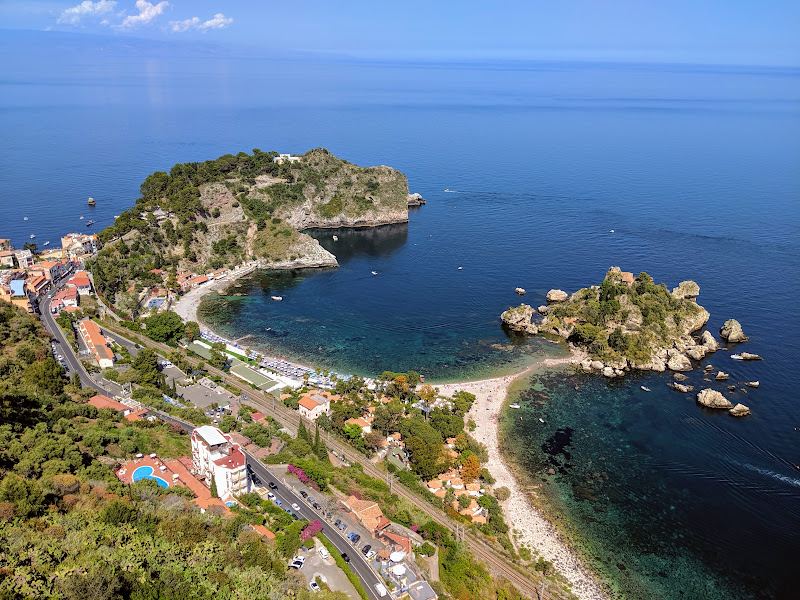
(147,13)
(217,22)
(73,16)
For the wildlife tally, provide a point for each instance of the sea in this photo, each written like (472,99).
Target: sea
(537,174)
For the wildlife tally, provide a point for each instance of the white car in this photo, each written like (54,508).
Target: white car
(314,586)
(271,496)
(295,507)
(370,554)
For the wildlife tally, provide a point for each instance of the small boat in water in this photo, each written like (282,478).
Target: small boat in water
(24,218)
(277,298)
(447,189)
(541,420)
(32,236)
(336,238)
(460,268)
(374,272)
(733,356)
(47,243)
(644,388)
(81,217)
(91,202)
(515,405)
(89,223)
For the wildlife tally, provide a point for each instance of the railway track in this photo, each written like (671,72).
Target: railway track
(269,405)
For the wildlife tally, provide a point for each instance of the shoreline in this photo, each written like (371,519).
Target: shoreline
(536,530)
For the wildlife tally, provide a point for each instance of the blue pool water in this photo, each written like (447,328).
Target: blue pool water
(147,473)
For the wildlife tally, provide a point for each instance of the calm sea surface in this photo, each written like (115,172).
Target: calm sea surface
(695,169)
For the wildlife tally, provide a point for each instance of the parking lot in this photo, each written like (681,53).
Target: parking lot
(326,569)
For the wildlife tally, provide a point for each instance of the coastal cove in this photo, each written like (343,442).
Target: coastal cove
(556,173)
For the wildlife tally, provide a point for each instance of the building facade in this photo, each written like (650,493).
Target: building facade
(215,457)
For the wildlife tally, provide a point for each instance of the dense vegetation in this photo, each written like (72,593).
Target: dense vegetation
(198,216)
(616,320)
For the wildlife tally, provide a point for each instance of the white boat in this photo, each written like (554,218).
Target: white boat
(645,388)
(446,189)
(374,272)
(81,217)
(515,405)
(47,243)
(733,356)
(277,298)
(24,218)
(459,268)
(336,238)
(612,231)
(32,236)
(520,291)
(541,420)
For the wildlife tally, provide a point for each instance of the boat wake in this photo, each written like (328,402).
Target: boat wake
(784,478)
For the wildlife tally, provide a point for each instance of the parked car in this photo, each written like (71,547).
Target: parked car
(304,494)
(314,586)
(355,539)
(366,549)
(317,506)
(371,554)
(338,523)
(270,496)
(323,552)
(278,502)
(350,535)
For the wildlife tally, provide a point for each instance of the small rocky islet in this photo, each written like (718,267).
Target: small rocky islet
(630,323)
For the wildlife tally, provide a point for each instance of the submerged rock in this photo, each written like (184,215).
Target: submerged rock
(557,296)
(752,384)
(679,387)
(721,376)
(740,410)
(679,377)
(731,331)
(713,399)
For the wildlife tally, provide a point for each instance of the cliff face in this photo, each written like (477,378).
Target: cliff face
(626,322)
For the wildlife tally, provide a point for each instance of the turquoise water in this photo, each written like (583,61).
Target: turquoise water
(147,473)
(695,168)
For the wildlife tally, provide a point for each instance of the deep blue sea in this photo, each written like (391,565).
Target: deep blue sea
(696,169)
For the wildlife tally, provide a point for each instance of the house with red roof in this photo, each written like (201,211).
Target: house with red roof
(101,401)
(217,458)
(80,281)
(312,407)
(96,342)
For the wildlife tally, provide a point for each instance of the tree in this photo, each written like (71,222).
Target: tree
(471,469)
(464,501)
(192,331)
(217,360)
(26,495)
(146,366)
(502,493)
(315,447)
(302,432)
(32,246)
(214,493)
(165,327)
(423,456)
(374,440)
(427,394)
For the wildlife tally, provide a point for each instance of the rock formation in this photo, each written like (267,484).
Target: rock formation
(721,376)
(731,331)
(519,319)
(557,296)
(748,356)
(740,410)
(713,399)
(752,384)
(709,343)
(678,362)
(415,200)
(686,290)
(679,387)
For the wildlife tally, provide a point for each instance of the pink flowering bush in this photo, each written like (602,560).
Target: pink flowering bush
(311,529)
(302,476)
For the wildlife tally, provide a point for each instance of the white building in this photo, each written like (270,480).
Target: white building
(312,407)
(215,456)
(281,158)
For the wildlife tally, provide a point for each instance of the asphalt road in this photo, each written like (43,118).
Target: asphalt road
(358,563)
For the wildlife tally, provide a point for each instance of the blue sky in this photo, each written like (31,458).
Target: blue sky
(696,31)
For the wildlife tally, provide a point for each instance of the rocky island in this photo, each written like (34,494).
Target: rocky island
(624,323)
(205,216)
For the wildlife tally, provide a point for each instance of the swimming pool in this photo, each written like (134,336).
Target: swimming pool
(147,473)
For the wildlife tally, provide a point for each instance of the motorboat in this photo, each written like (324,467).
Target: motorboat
(541,420)
(644,388)
(81,217)
(336,238)
(277,298)
(47,243)
(374,272)
(32,236)
(459,268)
(24,218)
(91,202)
(733,356)
(89,223)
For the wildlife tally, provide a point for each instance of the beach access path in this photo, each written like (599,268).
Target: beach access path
(536,531)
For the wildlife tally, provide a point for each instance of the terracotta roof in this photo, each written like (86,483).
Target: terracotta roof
(234,460)
(627,277)
(263,531)
(308,403)
(456,481)
(473,487)
(257,416)
(434,484)
(136,416)
(440,493)
(358,421)
(80,280)
(479,519)
(399,540)
(101,401)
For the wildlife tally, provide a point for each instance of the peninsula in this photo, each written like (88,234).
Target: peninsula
(624,323)
(202,217)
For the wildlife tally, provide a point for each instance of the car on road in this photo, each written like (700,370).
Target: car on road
(255,479)
(345,558)
(314,586)
(310,500)
(366,549)
(272,485)
(295,506)
(270,496)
